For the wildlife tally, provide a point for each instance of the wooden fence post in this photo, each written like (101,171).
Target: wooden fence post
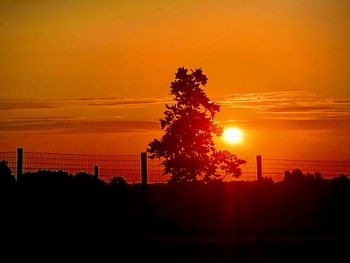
(144,169)
(19,163)
(96,171)
(258,167)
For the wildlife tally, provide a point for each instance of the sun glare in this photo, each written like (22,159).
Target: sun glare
(233,135)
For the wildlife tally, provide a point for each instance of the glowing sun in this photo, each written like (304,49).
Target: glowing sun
(233,135)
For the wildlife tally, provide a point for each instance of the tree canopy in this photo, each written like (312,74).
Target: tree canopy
(187,145)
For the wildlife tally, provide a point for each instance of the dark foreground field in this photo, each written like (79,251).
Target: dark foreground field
(66,217)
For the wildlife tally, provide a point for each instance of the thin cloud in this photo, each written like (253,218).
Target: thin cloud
(297,123)
(41,118)
(25,104)
(265,97)
(290,105)
(307,109)
(85,118)
(77,126)
(342,101)
(127,101)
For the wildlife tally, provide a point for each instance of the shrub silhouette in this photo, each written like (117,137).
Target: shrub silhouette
(187,145)
(45,176)
(118,182)
(6,177)
(342,178)
(297,176)
(88,183)
(46,181)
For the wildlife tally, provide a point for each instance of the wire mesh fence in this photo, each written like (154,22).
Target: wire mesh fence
(275,168)
(155,171)
(129,166)
(109,166)
(248,171)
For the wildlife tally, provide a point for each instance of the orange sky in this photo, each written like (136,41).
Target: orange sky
(93,76)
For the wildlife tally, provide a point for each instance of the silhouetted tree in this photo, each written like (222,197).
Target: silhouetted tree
(187,145)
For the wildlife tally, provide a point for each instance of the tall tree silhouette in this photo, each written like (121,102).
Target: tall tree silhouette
(187,145)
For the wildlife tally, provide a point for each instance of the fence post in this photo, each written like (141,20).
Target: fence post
(258,167)
(96,171)
(144,168)
(19,163)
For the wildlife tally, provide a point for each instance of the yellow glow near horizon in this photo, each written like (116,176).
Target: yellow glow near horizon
(233,135)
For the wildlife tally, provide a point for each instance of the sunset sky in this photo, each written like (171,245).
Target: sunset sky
(93,76)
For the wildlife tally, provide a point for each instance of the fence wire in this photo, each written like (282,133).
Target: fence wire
(248,171)
(155,171)
(275,168)
(109,166)
(129,166)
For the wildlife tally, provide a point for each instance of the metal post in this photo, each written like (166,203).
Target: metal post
(19,163)
(96,171)
(144,168)
(258,167)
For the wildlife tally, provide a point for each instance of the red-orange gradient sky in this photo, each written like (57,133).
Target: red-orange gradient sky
(93,76)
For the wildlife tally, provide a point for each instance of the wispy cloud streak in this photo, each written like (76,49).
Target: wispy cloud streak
(77,126)
(291,105)
(25,104)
